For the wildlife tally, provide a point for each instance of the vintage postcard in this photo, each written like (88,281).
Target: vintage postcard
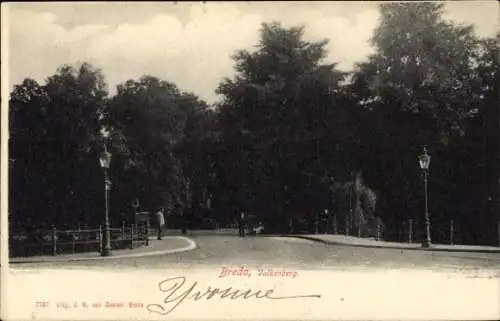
(250,161)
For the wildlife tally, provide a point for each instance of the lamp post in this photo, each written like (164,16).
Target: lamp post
(105,161)
(424,161)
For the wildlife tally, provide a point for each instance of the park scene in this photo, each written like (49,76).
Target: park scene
(285,157)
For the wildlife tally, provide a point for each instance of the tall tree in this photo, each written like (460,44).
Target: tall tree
(274,117)
(417,89)
(479,150)
(162,127)
(53,147)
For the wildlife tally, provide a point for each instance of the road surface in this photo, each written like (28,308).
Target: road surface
(289,252)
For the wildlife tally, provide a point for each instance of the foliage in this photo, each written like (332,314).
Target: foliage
(277,105)
(290,137)
(421,87)
(52,147)
(164,129)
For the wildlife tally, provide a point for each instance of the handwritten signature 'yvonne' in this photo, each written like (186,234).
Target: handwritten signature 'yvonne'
(177,293)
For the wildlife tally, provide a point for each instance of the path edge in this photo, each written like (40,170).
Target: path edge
(394,247)
(191,246)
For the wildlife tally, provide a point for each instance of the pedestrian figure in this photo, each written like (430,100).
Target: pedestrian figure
(183,223)
(241,225)
(160,221)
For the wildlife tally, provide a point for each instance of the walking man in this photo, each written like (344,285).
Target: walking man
(241,225)
(183,223)
(160,221)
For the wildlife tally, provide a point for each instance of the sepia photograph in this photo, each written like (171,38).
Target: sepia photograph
(302,160)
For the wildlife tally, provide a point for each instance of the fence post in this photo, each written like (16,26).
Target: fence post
(77,232)
(147,232)
(410,231)
(498,223)
(54,241)
(378,231)
(123,230)
(358,226)
(451,232)
(100,238)
(132,236)
(73,237)
(137,233)
(335,224)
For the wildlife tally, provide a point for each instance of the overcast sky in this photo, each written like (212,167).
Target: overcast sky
(189,44)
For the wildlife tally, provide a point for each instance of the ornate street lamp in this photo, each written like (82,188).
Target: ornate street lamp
(105,160)
(424,161)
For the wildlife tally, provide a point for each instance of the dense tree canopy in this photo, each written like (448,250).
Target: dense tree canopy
(276,123)
(53,147)
(164,129)
(421,87)
(291,136)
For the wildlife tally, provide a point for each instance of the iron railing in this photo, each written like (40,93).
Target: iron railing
(57,242)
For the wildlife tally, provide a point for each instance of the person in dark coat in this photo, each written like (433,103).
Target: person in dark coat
(241,224)
(183,223)
(160,222)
